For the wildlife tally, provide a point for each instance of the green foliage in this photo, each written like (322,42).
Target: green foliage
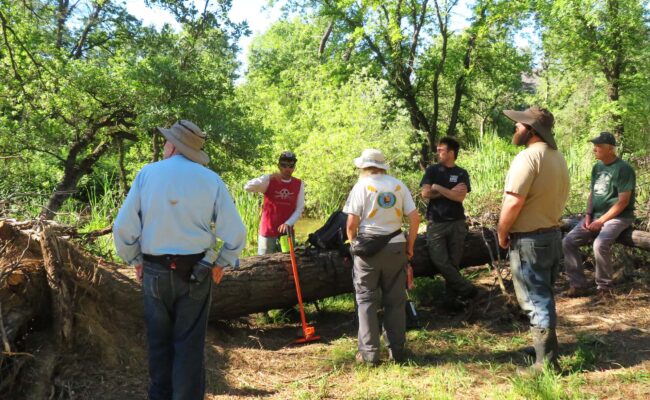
(249,206)
(590,350)
(546,386)
(427,290)
(598,48)
(87,81)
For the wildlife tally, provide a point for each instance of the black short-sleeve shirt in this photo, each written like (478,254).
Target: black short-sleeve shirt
(443,209)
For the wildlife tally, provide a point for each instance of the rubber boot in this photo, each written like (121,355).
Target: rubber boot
(546,348)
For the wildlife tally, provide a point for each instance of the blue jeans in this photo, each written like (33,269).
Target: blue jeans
(176,319)
(534,262)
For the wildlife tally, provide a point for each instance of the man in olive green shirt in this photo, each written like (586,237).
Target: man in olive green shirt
(610,210)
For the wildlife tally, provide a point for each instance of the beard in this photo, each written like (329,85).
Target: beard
(521,139)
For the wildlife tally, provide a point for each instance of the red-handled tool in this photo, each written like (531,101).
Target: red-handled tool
(308,331)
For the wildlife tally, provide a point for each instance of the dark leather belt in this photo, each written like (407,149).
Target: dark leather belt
(535,232)
(182,264)
(168,258)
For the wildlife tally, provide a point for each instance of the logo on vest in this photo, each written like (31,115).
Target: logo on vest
(283,194)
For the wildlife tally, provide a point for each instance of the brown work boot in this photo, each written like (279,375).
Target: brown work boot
(604,294)
(575,291)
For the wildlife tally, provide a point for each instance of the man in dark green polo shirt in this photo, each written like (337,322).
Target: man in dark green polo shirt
(610,210)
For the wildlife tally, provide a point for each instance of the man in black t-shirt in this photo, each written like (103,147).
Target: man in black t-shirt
(446,185)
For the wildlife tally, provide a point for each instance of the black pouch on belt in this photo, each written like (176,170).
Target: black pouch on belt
(365,245)
(182,265)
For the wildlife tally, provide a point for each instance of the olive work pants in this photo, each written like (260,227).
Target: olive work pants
(445,241)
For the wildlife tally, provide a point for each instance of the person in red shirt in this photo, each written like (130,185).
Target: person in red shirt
(284,202)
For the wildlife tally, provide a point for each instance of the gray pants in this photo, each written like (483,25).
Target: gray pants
(603,242)
(379,281)
(445,241)
(267,245)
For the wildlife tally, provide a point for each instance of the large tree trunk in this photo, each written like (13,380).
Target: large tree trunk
(260,284)
(265,282)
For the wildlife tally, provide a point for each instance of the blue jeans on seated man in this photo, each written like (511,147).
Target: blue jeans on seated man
(176,317)
(534,262)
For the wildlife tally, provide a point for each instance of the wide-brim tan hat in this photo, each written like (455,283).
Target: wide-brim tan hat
(540,119)
(188,140)
(371,158)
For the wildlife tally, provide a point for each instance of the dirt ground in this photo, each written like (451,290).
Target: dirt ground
(462,353)
(248,358)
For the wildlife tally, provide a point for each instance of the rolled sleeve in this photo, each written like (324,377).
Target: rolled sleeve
(520,176)
(355,202)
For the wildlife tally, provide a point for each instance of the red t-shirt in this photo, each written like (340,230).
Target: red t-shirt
(280,201)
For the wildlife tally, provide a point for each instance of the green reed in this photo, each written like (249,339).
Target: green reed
(249,206)
(488,163)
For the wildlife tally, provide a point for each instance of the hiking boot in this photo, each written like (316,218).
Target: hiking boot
(398,357)
(604,294)
(546,350)
(360,360)
(468,292)
(575,291)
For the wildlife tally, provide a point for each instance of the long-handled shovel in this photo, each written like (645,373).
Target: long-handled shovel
(308,331)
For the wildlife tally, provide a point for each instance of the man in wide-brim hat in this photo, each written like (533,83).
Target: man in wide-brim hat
(377,206)
(536,191)
(187,140)
(164,230)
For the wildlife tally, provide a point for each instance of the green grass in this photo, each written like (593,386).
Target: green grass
(340,303)
(427,290)
(249,206)
(392,381)
(589,351)
(634,376)
(545,386)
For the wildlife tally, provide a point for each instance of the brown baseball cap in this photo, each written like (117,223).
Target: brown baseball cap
(540,119)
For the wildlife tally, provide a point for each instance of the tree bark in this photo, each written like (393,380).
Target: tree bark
(61,306)
(265,282)
(260,284)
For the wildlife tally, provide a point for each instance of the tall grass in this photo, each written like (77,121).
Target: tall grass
(488,164)
(249,206)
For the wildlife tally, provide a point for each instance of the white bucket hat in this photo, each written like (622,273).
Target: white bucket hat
(188,140)
(371,158)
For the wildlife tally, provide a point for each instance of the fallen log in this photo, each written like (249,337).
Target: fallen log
(264,283)
(629,237)
(50,287)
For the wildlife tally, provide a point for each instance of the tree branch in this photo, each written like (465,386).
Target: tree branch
(90,23)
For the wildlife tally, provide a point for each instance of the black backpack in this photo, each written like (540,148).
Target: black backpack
(332,235)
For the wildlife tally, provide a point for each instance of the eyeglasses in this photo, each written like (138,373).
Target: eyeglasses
(287,165)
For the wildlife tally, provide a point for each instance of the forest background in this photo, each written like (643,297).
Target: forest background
(84,84)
